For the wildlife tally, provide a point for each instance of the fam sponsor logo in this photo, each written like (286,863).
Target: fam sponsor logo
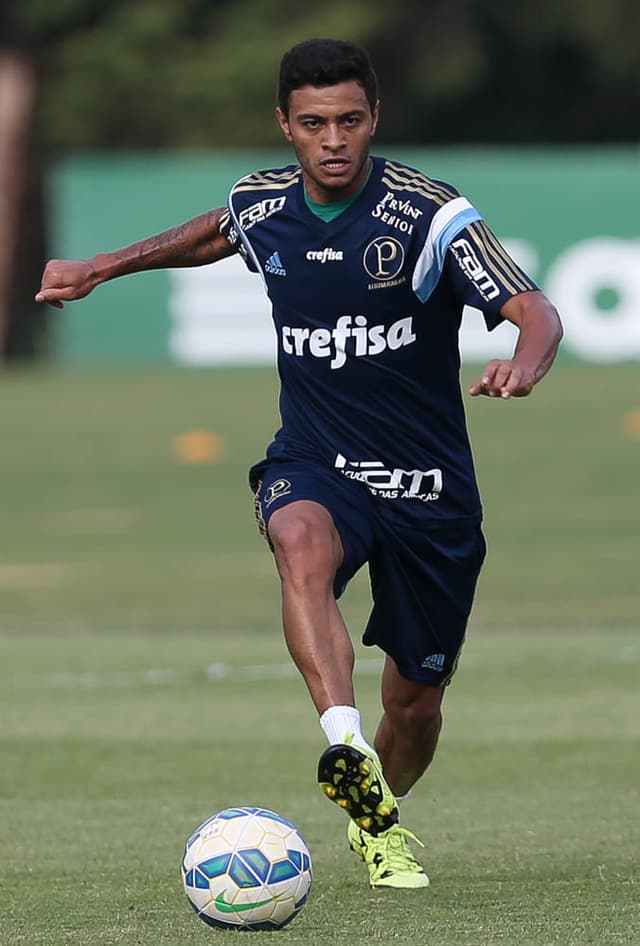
(351,337)
(325,255)
(383,259)
(396,483)
(256,213)
(394,212)
(474,270)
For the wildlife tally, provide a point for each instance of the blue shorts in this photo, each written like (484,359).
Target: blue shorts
(422,579)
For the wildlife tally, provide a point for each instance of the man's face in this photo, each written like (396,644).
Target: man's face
(330,129)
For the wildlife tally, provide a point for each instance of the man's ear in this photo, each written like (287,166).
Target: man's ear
(283,121)
(376,116)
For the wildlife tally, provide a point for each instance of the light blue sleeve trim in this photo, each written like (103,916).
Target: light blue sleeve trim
(243,238)
(440,246)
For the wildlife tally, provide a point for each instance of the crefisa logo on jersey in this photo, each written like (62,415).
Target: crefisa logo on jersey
(383,259)
(423,485)
(351,336)
(326,255)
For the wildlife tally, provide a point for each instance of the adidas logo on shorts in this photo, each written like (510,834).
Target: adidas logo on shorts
(434,662)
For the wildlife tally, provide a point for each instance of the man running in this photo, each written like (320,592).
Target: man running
(368,264)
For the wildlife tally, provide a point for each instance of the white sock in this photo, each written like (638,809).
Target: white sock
(340,722)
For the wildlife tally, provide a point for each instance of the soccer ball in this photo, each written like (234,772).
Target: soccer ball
(246,868)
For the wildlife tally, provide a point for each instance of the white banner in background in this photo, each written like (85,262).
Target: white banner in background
(220,314)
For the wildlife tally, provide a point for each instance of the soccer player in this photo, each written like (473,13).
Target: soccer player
(368,264)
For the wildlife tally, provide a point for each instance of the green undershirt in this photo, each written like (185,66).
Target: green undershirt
(329,212)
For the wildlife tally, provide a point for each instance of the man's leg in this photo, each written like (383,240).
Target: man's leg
(408,733)
(405,742)
(308,553)
(423,583)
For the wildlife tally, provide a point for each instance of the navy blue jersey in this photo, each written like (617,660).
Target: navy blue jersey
(367,310)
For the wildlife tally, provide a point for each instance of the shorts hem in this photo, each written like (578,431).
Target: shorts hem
(433,679)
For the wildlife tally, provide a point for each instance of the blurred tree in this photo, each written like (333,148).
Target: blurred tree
(192,73)
(491,71)
(17,94)
(28,31)
(183,74)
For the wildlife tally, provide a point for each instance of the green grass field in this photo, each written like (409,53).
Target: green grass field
(144,683)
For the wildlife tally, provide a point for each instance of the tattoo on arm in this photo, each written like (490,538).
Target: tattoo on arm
(194,243)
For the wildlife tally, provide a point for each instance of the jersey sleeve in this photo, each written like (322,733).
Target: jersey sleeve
(447,222)
(229,231)
(482,273)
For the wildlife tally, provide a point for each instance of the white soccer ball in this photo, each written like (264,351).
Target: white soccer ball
(246,868)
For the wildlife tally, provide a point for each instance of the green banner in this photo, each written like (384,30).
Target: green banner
(571,217)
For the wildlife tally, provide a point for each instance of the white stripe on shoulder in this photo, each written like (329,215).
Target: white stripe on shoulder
(447,222)
(243,237)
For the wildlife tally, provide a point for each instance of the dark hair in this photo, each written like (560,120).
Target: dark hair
(323,62)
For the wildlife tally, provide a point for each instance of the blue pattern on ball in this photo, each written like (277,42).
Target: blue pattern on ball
(241,873)
(282,870)
(229,813)
(215,866)
(272,816)
(257,861)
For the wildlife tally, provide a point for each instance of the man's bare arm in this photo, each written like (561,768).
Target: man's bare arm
(540,335)
(194,243)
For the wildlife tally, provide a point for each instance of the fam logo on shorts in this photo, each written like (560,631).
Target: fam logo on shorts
(396,483)
(383,259)
(276,490)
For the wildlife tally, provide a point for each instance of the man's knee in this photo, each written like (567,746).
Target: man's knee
(305,543)
(414,707)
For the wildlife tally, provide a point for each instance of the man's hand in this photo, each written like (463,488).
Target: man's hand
(64,280)
(540,334)
(504,378)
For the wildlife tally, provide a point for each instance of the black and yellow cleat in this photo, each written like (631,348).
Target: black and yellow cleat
(353,779)
(388,857)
